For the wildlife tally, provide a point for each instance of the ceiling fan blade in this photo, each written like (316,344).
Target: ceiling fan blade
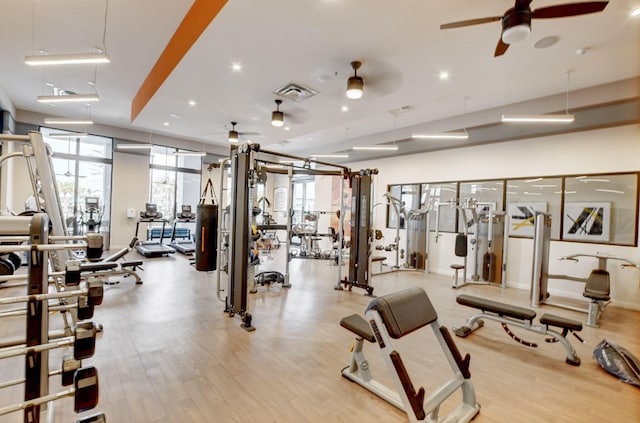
(469,22)
(570,9)
(501,48)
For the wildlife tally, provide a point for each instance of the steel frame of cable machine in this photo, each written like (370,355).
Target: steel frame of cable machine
(361,233)
(244,167)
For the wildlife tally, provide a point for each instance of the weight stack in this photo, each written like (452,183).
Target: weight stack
(206,236)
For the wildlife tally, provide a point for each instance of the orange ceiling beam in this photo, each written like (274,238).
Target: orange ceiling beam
(197,19)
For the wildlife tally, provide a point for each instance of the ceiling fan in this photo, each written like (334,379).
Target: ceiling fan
(234,135)
(516,22)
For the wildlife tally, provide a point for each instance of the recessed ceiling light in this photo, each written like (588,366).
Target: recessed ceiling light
(236,67)
(345,109)
(636,12)
(49,84)
(192,103)
(286,128)
(92,83)
(175,116)
(444,75)
(166,124)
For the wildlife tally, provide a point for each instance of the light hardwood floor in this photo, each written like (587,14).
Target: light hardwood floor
(170,354)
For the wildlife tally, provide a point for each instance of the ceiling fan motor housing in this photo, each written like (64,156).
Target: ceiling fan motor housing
(516,25)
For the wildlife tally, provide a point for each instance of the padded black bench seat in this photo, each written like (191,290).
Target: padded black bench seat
(356,324)
(97,267)
(561,322)
(378,258)
(135,263)
(500,309)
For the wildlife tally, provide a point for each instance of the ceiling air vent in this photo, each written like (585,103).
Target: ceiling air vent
(401,110)
(295,92)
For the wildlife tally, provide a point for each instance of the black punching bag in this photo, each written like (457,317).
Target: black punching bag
(206,236)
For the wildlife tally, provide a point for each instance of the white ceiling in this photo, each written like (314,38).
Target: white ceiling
(310,42)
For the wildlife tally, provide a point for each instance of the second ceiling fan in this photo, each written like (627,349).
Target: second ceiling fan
(516,22)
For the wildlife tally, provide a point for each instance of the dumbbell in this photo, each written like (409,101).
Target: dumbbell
(83,342)
(67,371)
(72,273)
(84,307)
(94,247)
(94,285)
(15,259)
(94,418)
(6,267)
(85,393)
(95,290)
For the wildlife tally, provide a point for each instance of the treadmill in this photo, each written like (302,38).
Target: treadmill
(152,248)
(183,246)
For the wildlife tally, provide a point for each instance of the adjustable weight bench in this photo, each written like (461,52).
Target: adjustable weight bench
(508,314)
(391,317)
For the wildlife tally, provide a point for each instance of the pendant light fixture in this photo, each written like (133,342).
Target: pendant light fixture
(67,135)
(98,56)
(233,134)
(277,117)
(565,117)
(355,83)
(329,156)
(63,121)
(456,135)
(67,59)
(133,146)
(376,148)
(68,98)
(184,153)
(451,135)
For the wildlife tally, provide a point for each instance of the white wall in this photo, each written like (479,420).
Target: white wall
(598,151)
(130,189)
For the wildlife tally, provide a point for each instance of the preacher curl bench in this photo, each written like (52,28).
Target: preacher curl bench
(393,316)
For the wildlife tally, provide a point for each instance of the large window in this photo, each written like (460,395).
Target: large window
(174,180)
(304,196)
(82,165)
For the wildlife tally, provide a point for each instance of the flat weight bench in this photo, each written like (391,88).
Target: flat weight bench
(110,266)
(391,317)
(520,317)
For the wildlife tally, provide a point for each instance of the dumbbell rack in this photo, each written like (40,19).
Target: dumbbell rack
(38,403)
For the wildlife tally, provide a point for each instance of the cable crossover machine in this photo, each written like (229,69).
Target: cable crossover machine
(247,167)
